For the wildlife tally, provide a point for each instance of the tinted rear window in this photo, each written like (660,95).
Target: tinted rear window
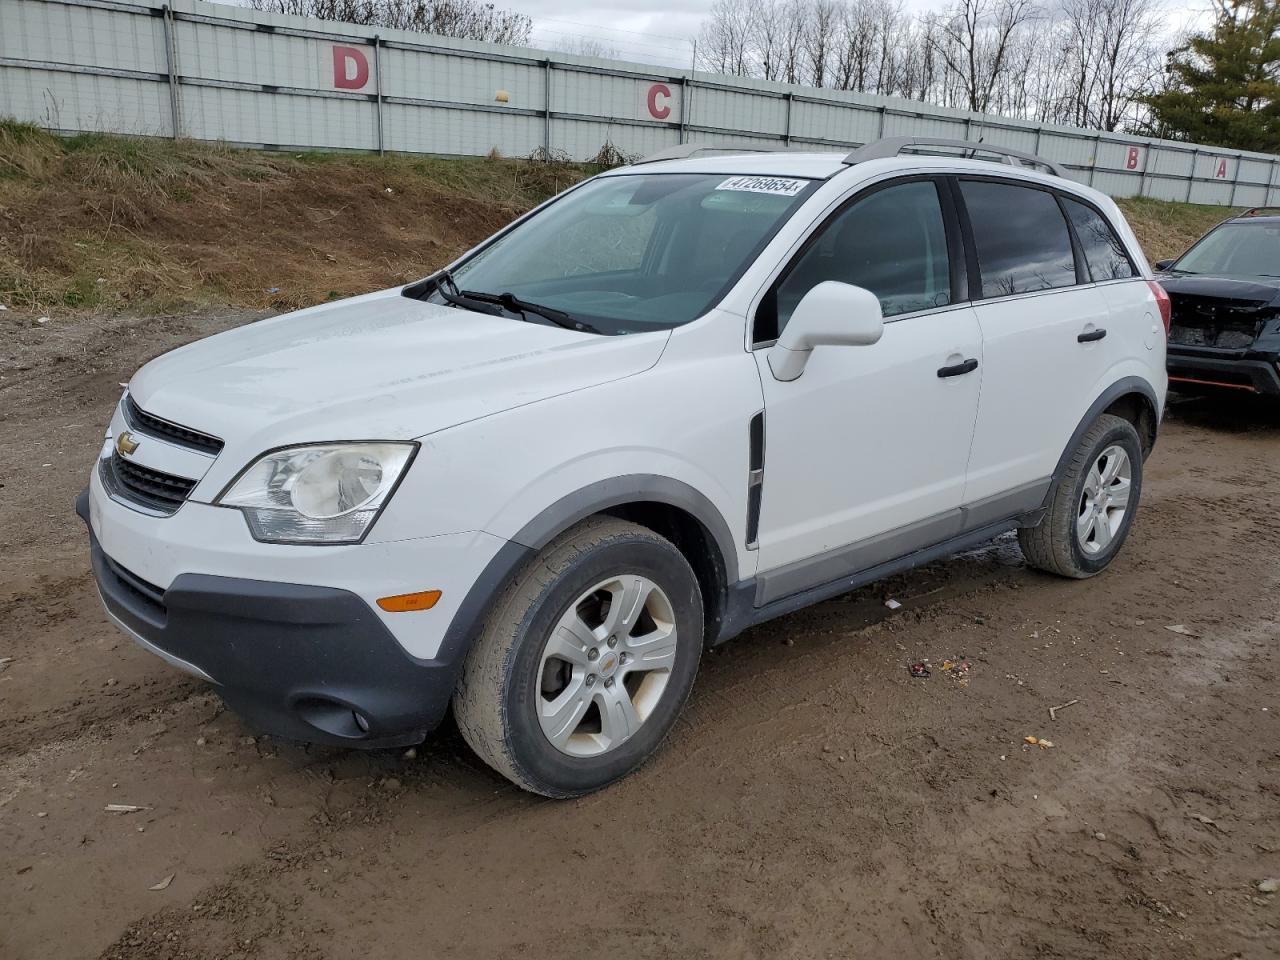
(1021,237)
(1103,251)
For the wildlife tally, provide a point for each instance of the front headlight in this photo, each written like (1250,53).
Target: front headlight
(323,493)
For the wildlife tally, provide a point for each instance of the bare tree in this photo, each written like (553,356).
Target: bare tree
(857,46)
(1084,62)
(588,47)
(467,19)
(976,39)
(818,41)
(769,25)
(795,15)
(1130,59)
(726,41)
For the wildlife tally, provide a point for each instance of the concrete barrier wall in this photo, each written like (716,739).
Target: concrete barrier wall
(221,73)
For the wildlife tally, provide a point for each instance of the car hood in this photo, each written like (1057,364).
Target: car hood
(1255,290)
(381,366)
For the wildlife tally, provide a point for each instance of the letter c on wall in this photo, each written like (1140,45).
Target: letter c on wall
(350,68)
(659,110)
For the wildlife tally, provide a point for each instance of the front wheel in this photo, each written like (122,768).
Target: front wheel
(1093,504)
(585,662)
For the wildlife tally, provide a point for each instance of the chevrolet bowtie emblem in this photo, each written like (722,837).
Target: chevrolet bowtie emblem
(125,444)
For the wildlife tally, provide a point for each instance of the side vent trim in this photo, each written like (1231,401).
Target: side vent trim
(755,480)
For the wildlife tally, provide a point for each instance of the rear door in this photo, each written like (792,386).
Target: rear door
(1134,328)
(866,451)
(1044,341)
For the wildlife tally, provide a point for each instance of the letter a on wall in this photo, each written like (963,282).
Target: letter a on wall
(350,68)
(1220,171)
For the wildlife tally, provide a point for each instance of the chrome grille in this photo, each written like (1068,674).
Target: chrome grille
(154,491)
(151,425)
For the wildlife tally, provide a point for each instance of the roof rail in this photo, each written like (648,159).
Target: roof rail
(1255,212)
(892,146)
(685,150)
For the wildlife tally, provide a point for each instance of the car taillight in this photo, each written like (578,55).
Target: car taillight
(1163,302)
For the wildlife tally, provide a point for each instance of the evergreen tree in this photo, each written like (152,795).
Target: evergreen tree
(1224,87)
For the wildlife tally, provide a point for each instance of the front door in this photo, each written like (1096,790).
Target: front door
(866,452)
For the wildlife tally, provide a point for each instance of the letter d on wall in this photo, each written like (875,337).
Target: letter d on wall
(350,68)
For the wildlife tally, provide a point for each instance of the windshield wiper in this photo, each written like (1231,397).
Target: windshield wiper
(516,305)
(457,298)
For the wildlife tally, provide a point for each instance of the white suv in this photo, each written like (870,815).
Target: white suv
(680,399)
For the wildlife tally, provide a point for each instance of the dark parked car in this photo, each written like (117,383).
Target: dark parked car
(1226,307)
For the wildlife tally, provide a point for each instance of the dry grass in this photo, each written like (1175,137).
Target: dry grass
(100,221)
(1166,229)
(106,222)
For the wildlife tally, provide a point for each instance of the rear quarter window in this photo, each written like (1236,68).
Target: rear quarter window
(1021,238)
(1103,251)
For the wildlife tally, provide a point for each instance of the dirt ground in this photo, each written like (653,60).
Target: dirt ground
(815,800)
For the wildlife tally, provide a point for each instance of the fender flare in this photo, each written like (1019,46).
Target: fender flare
(1109,396)
(559,517)
(632,488)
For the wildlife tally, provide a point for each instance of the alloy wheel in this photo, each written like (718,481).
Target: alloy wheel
(605,666)
(1104,501)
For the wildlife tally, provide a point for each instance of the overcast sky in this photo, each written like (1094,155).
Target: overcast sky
(648,31)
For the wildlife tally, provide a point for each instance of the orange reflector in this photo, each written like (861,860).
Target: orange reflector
(424,600)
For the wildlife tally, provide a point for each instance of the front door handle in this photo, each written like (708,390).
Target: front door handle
(1092,336)
(959,369)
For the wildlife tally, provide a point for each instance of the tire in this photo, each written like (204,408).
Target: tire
(1069,541)
(516,672)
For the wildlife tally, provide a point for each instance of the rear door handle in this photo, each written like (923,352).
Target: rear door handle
(959,369)
(1092,336)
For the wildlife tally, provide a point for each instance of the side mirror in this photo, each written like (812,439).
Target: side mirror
(833,313)
(1163,264)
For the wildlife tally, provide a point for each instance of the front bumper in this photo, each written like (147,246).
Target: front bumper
(311,662)
(1223,369)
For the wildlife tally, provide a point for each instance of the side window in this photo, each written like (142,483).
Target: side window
(1021,237)
(1103,251)
(893,242)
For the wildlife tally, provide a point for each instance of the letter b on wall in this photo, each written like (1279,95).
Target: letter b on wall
(350,68)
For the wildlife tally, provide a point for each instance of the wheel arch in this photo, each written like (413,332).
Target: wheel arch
(668,507)
(1131,398)
(1140,410)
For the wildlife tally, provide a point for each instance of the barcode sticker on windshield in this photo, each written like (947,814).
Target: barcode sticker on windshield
(779,186)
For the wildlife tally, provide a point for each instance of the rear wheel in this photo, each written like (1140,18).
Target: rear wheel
(585,662)
(1093,505)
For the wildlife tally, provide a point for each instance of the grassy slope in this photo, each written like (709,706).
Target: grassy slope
(106,222)
(1166,229)
(109,222)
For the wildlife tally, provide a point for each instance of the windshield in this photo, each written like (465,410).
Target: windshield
(631,253)
(1236,249)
